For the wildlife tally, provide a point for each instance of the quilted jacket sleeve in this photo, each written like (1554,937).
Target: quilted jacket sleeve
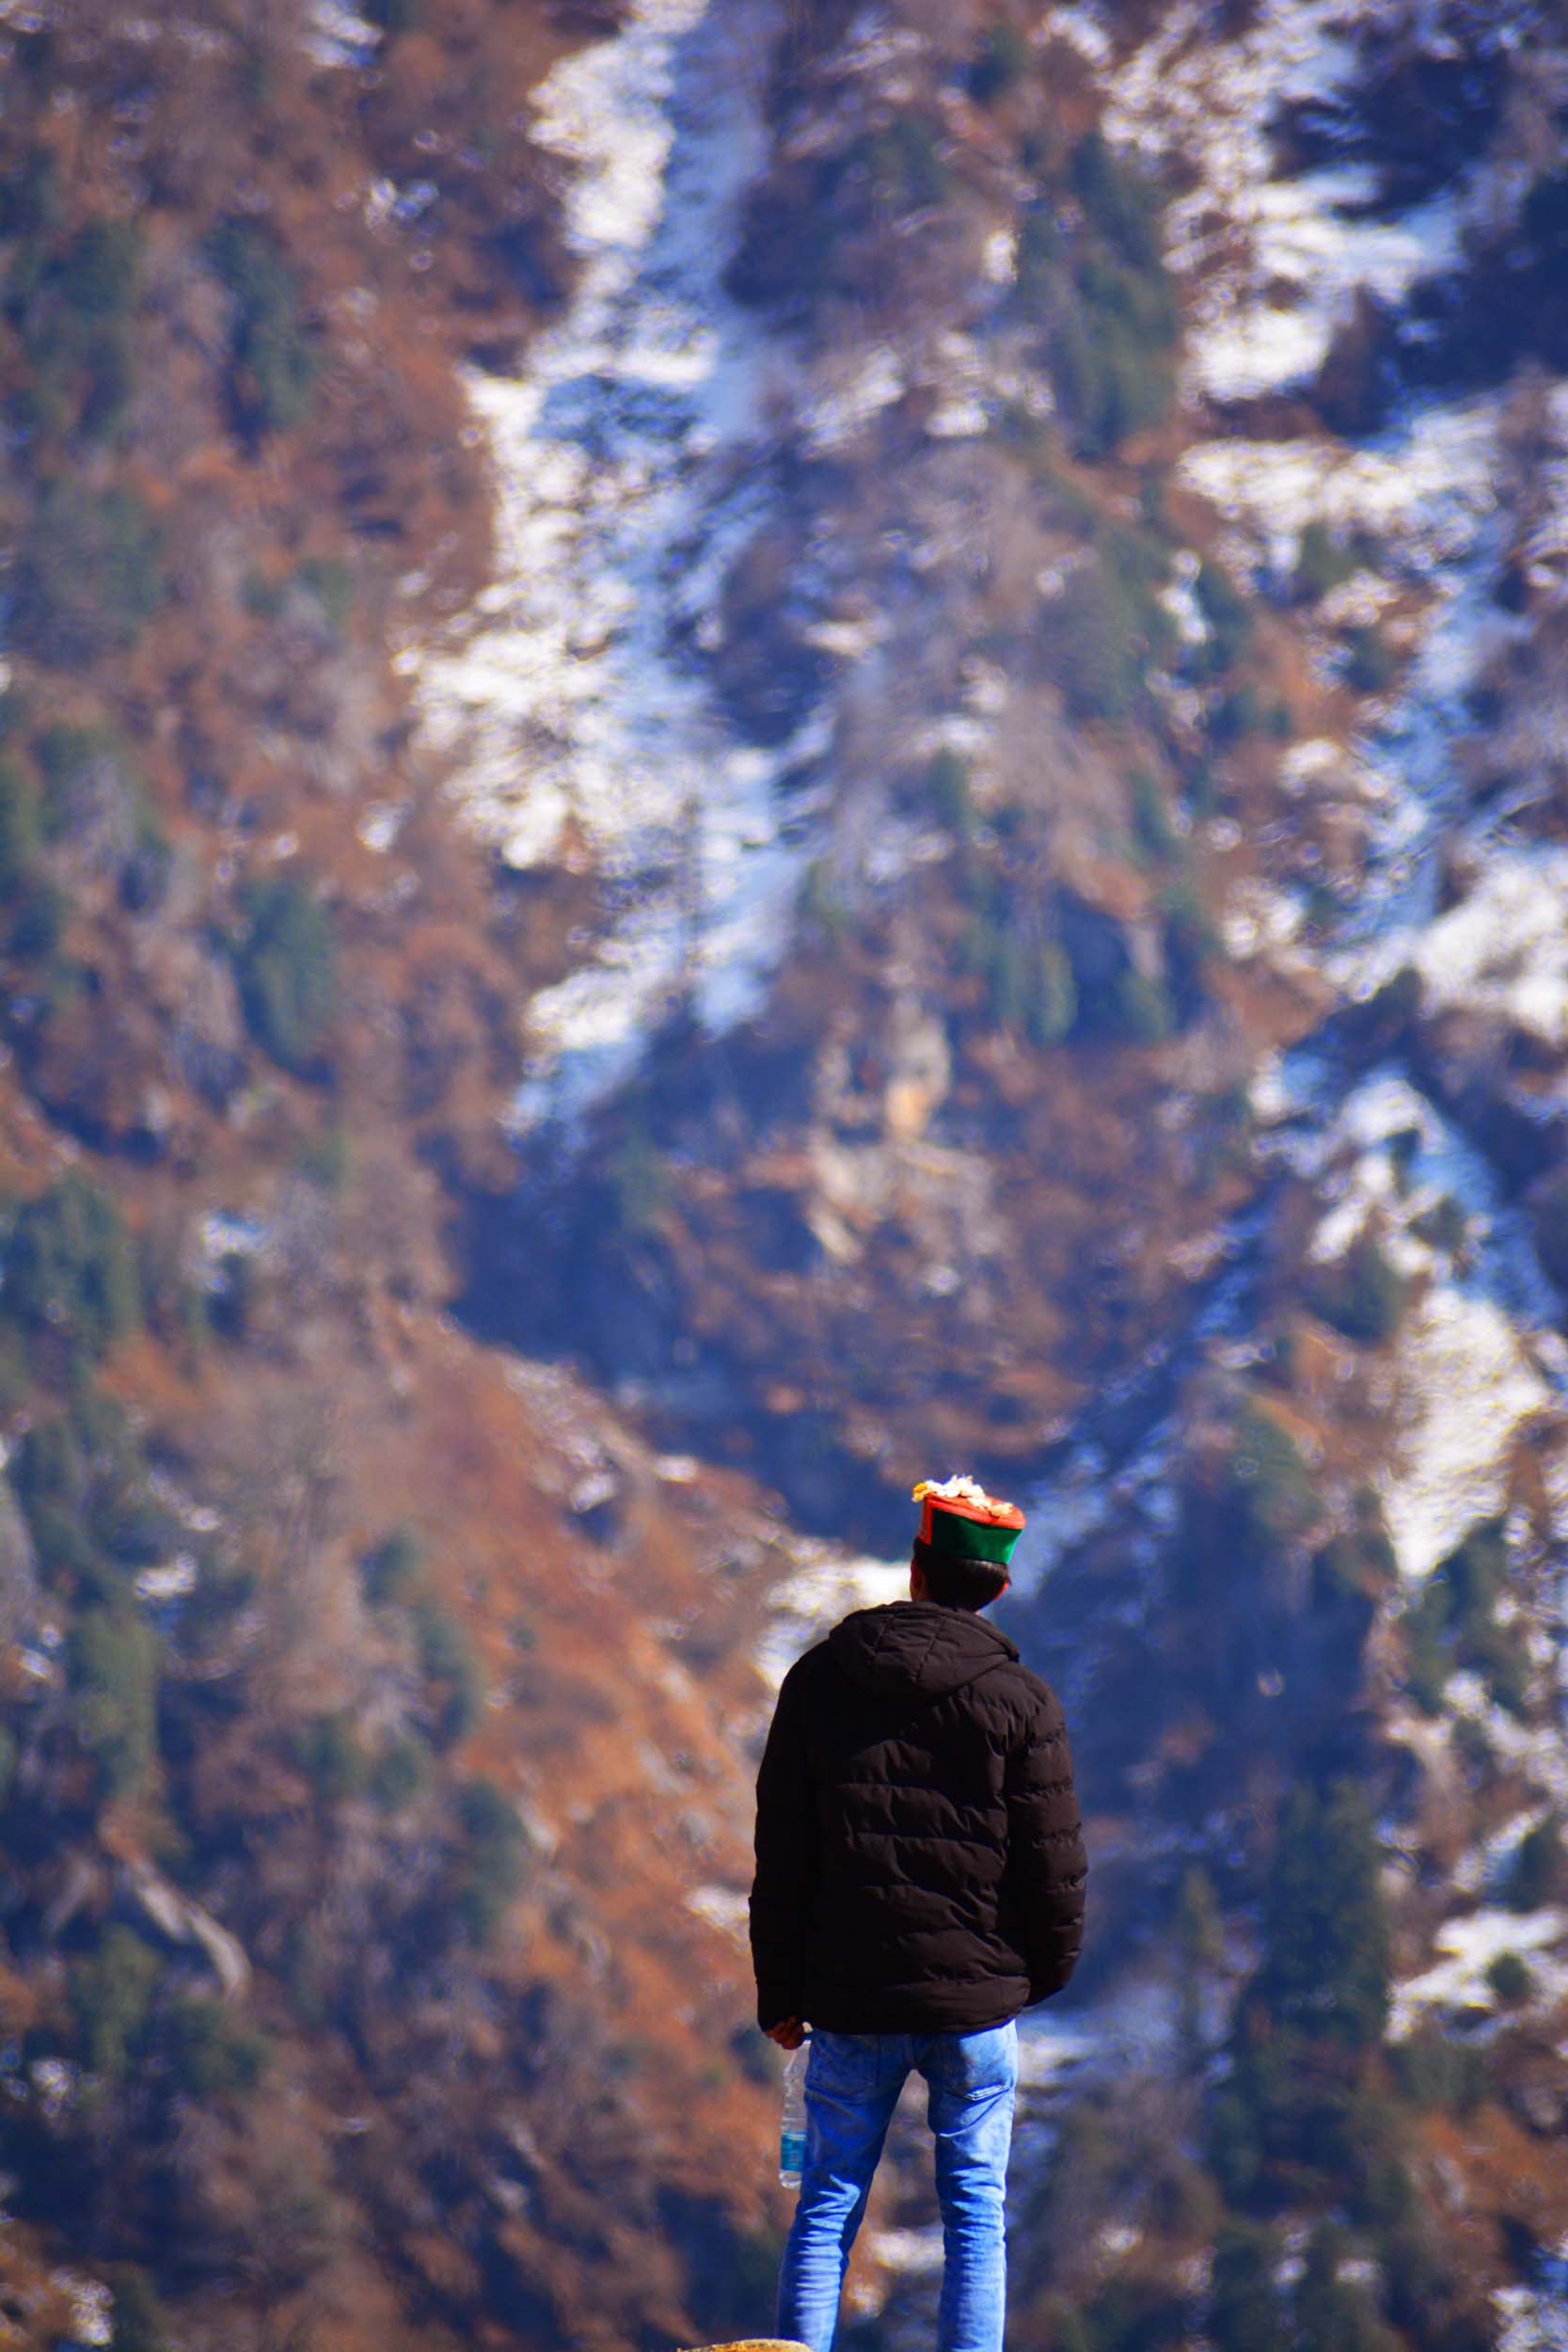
(785,1860)
(1046,1863)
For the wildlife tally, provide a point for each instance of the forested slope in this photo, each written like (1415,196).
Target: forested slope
(735,768)
(355,1774)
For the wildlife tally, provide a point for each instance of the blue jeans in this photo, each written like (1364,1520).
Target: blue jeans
(852,2086)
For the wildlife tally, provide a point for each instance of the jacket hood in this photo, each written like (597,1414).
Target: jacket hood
(917,1649)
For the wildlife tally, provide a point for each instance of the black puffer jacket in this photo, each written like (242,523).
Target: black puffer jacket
(920,1863)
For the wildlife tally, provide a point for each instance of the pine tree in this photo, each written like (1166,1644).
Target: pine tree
(1325,1925)
(139,2321)
(1245,2313)
(1200,1948)
(1334,2314)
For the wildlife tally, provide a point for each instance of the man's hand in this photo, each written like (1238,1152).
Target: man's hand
(788,2033)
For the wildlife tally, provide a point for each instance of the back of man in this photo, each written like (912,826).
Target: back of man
(920,1876)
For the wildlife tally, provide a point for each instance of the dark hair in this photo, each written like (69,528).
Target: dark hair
(958,1584)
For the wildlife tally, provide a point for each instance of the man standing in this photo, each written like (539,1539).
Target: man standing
(918,1880)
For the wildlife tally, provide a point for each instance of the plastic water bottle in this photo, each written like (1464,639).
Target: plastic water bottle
(792,2124)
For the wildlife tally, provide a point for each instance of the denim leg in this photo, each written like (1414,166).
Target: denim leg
(972,2080)
(852,2086)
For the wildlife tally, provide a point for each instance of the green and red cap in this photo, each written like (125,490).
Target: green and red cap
(962,1522)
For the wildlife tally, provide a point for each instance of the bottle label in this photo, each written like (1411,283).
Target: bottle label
(792,2157)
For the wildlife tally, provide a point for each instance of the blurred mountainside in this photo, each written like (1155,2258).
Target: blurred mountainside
(748,750)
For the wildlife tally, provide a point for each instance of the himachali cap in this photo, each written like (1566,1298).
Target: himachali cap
(962,1522)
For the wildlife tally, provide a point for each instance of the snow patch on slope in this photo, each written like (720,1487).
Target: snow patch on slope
(1468,1384)
(627,478)
(1423,488)
(339,35)
(1504,947)
(1275,263)
(1427,492)
(1388,1153)
(1469,1945)
(827,1585)
(1535,2319)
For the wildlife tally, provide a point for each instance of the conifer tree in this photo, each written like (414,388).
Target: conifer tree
(1325,1926)
(1245,2306)
(1334,2314)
